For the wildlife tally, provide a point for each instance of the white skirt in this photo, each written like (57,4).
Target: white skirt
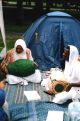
(35,78)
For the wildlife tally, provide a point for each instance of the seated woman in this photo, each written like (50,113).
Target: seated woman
(20,51)
(70,75)
(72,70)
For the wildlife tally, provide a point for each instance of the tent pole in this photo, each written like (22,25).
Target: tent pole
(2,25)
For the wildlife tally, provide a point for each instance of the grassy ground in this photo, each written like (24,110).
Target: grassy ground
(13,32)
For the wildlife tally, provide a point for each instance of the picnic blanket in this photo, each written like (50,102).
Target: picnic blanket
(35,110)
(15,93)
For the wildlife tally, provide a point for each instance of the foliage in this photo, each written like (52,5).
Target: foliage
(13,32)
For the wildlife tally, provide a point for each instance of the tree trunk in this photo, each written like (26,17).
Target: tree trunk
(39,6)
(20,15)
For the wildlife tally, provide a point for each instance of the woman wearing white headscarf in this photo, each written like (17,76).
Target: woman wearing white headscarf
(20,51)
(72,65)
(13,55)
(71,73)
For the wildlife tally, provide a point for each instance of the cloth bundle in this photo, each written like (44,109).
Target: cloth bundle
(55,83)
(21,67)
(59,86)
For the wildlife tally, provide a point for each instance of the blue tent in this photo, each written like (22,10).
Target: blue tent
(48,35)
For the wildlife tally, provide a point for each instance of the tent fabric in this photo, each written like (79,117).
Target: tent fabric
(57,13)
(48,35)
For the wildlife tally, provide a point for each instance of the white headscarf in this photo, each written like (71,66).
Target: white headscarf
(22,55)
(69,71)
(73,53)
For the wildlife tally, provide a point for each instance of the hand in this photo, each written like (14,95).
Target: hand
(68,88)
(79,58)
(48,73)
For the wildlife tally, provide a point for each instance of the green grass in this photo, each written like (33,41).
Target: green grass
(13,32)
